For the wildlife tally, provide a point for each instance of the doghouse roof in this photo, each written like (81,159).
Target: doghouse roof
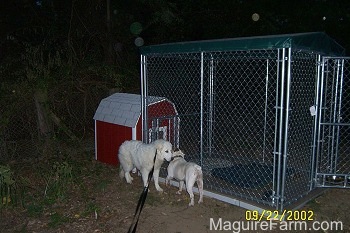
(312,41)
(122,108)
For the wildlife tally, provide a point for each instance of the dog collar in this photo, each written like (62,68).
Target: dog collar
(176,156)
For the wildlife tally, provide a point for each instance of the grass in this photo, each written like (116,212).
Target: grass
(35,210)
(91,208)
(102,185)
(53,185)
(8,194)
(57,219)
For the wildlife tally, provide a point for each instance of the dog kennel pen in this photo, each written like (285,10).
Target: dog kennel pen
(266,117)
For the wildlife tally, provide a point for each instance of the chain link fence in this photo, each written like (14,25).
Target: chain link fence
(71,104)
(244,117)
(333,165)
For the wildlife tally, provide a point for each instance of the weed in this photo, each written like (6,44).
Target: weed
(7,186)
(90,208)
(58,180)
(102,185)
(35,210)
(57,219)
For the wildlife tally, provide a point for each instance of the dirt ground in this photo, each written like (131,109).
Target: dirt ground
(98,201)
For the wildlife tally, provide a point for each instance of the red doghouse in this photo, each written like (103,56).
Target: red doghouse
(119,118)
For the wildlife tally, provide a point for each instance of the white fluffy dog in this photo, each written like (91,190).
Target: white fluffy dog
(140,155)
(189,172)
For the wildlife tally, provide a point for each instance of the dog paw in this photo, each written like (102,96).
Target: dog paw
(129,179)
(191,204)
(159,189)
(200,201)
(178,192)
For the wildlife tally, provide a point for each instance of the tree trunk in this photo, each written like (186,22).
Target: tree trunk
(41,99)
(108,47)
(61,125)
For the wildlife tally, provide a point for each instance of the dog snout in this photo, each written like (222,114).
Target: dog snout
(168,157)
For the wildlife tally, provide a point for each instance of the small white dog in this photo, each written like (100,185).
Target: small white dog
(189,172)
(140,155)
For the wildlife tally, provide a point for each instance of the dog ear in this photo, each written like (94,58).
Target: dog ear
(159,153)
(158,144)
(182,154)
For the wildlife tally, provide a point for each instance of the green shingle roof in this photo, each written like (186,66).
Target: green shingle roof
(313,41)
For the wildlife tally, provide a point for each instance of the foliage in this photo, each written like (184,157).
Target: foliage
(79,86)
(57,219)
(7,186)
(58,180)
(41,64)
(91,208)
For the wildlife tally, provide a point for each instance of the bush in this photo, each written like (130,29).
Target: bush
(7,186)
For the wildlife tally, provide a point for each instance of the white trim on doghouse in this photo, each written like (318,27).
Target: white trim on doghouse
(133,133)
(95,141)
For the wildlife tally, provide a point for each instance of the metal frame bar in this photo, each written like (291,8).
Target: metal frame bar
(144,94)
(277,137)
(202,108)
(280,132)
(320,109)
(286,128)
(316,122)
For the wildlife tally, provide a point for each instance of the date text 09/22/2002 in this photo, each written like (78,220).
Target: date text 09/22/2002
(287,215)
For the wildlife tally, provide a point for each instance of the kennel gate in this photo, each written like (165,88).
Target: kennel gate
(333,141)
(244,105)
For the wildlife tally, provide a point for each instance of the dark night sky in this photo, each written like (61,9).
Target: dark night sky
(33,21)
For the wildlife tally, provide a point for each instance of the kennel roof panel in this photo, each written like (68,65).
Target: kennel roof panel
(311,41)
(123,108)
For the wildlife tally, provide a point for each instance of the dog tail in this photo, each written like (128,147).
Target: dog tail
(121,172)
(198,171)
(198,168)
(199,178)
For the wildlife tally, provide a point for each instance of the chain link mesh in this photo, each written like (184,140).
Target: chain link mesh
(74,104)
(227,114)
(333,164)
(301,125)
(231,105)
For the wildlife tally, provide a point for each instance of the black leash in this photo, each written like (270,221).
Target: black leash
(142,200)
